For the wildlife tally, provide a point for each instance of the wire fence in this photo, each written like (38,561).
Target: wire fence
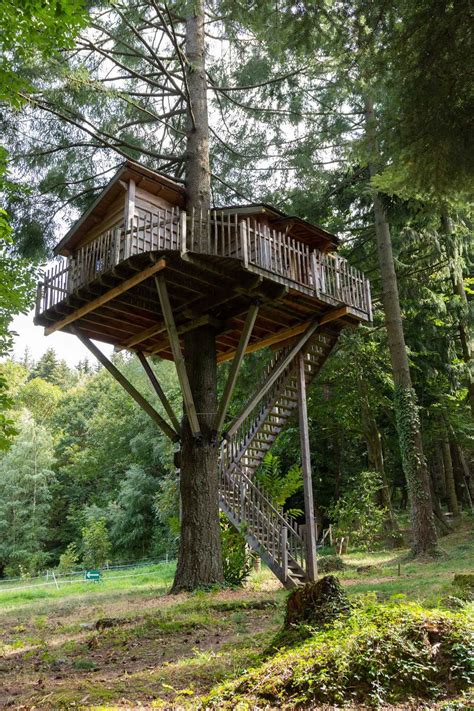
(56,579)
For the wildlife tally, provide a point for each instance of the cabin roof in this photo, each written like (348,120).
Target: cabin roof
(174,192)
(149,180)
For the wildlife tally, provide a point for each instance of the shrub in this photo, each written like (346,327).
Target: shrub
(330,564)
(69,560)
(380,654)
(356,515)
(236,559)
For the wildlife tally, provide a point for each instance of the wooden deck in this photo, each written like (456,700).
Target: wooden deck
(217,263)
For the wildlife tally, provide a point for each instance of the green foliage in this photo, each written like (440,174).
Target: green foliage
(381,654)
(69,560)
(95,544)
(26,492)
(236,558)
(279,486)
(356,514)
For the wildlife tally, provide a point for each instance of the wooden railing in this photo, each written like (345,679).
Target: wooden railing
(214,233)
(270,526)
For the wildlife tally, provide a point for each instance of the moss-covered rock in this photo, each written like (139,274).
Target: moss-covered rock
(330,564)
(380,654)
(464,584)
(316,604)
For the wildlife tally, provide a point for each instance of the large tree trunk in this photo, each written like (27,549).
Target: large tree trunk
(449,476)
(199,559)
(424,538)
(452,250)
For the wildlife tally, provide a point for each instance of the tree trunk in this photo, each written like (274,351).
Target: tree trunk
(452,249)
(199,558)
(449,476)
(406,409)
(376,461)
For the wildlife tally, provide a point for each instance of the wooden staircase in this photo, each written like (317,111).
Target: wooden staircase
(268,530)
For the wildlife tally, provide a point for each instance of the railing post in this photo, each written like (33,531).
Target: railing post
(337,264)
(284,552)
(117,235)
(314,271)
(244,243)
(182,231)
(369,299)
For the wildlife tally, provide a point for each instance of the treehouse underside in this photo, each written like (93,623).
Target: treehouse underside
(202,290)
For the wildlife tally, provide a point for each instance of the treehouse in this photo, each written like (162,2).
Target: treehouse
(139,271)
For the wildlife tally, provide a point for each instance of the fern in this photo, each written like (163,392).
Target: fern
(277,486)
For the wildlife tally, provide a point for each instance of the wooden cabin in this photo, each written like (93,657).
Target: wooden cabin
(217,263)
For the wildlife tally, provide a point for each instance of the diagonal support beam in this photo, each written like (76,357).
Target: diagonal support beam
(279,369)
(108,296)
(177,355)
(158,389)
(132,391)
(235,367)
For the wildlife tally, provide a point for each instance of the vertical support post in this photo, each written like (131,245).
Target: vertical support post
(182,230)
(337,265)
(129,214)
(369,299)
(284,552)
(310,527)
(243,243)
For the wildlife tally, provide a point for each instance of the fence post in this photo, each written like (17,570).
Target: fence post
(314,272)
(284,552)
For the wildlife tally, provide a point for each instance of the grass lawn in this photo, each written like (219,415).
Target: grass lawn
(125,643)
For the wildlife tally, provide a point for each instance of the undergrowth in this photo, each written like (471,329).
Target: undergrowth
(381,654)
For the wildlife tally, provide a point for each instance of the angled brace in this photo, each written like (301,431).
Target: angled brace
(279,369)
(131,390)
(177,355)
(235,367)
(158,389)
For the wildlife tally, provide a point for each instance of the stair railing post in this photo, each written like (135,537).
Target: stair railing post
(284,552)
(310,526)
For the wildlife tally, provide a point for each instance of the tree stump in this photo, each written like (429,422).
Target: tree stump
(317,603)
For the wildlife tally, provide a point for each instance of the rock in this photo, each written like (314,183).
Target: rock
(317,603)
(106,622)
(330,563)
(464,582)
(451,602)
(87,626)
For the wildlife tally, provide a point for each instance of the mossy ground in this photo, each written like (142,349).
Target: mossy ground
(172,651)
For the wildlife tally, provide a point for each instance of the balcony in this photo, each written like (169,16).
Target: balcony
(216,236)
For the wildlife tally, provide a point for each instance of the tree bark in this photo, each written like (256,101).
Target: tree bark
(424,537)
(199,558)
(455,269)
(449,476)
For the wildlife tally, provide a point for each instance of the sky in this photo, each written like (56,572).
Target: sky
(67,346)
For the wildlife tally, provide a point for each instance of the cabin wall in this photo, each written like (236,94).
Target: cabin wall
(112,218)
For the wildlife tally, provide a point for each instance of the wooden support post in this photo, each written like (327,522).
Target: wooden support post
(284,552)
(132,391)
(310,527)
(282,365)
(235,367)
(177,355)
(158,389)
